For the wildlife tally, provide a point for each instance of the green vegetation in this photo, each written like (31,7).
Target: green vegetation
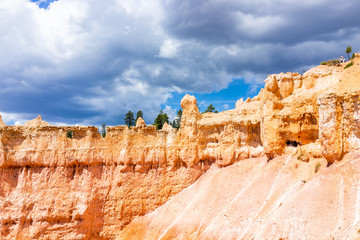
(103,130)
(138,115)
(349,65)
(129,119)
(353,56)
(211,108)
(331,63)
(69,134)
(177,121)
(348,51)
(160,120)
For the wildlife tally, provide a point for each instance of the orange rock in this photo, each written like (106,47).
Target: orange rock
(89,187)
(255,199)
(2,124)
(140,122)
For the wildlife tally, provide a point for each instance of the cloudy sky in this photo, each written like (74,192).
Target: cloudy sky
(89,62)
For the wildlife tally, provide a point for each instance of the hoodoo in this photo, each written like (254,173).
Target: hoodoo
(283,165)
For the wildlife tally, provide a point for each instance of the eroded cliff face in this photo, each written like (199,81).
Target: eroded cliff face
(85,187)
(89,187)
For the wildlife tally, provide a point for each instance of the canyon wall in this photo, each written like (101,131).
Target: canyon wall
(303,183)
(89,187)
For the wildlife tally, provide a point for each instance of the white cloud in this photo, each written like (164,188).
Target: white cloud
(14,118)
(89,61)
(169,49)
(170,112)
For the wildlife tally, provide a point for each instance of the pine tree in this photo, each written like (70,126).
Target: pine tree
(211,108)
(139,114)
(129,119)
(103,130)
(177,121)
(160,120)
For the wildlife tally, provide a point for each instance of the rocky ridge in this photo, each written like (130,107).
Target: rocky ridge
(89,187)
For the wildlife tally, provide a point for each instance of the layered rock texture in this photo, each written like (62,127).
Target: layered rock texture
(283,165)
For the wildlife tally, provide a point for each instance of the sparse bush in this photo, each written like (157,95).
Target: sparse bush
(353,56)
(302,156)
(299,157)
(349,65)
(317,166)
(335,62)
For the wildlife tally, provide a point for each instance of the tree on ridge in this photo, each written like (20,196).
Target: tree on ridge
(161,119)
(348,51)
(211,108)
(129,119)
(138,115)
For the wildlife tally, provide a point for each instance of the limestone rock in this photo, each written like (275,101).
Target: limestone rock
(272,152)
(264,200)
(271,84)
(166,127)
(140,122)
(2,124)
(239,103)
(36,122)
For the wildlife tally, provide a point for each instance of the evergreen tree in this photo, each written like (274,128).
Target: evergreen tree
(211,108)
(139,114)
(129,119)
(161,119)
(103,130)
(177,121)
(70,134)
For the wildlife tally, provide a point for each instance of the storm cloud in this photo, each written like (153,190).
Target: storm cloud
(89,62)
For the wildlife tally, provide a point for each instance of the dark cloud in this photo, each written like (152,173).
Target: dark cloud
(89,62)
(278,21)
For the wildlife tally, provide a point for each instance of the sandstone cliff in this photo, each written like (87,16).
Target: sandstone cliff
(89,187)
(301,181)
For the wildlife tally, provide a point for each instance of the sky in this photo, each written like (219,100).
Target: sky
(88,62)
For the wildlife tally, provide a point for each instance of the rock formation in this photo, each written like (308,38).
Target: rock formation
(268,156)
(2,124)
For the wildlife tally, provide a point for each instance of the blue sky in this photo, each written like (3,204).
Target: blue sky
(43,3)
(89,62)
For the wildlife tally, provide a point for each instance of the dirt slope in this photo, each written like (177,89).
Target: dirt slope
(284,198)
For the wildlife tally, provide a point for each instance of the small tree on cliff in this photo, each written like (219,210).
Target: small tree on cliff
(103,130)
(138,115)
(348,51)
(129,119)
(161,119)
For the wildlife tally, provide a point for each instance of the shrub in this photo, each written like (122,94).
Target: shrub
(317,166)
(349,65)
(335,62)
(348,51)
